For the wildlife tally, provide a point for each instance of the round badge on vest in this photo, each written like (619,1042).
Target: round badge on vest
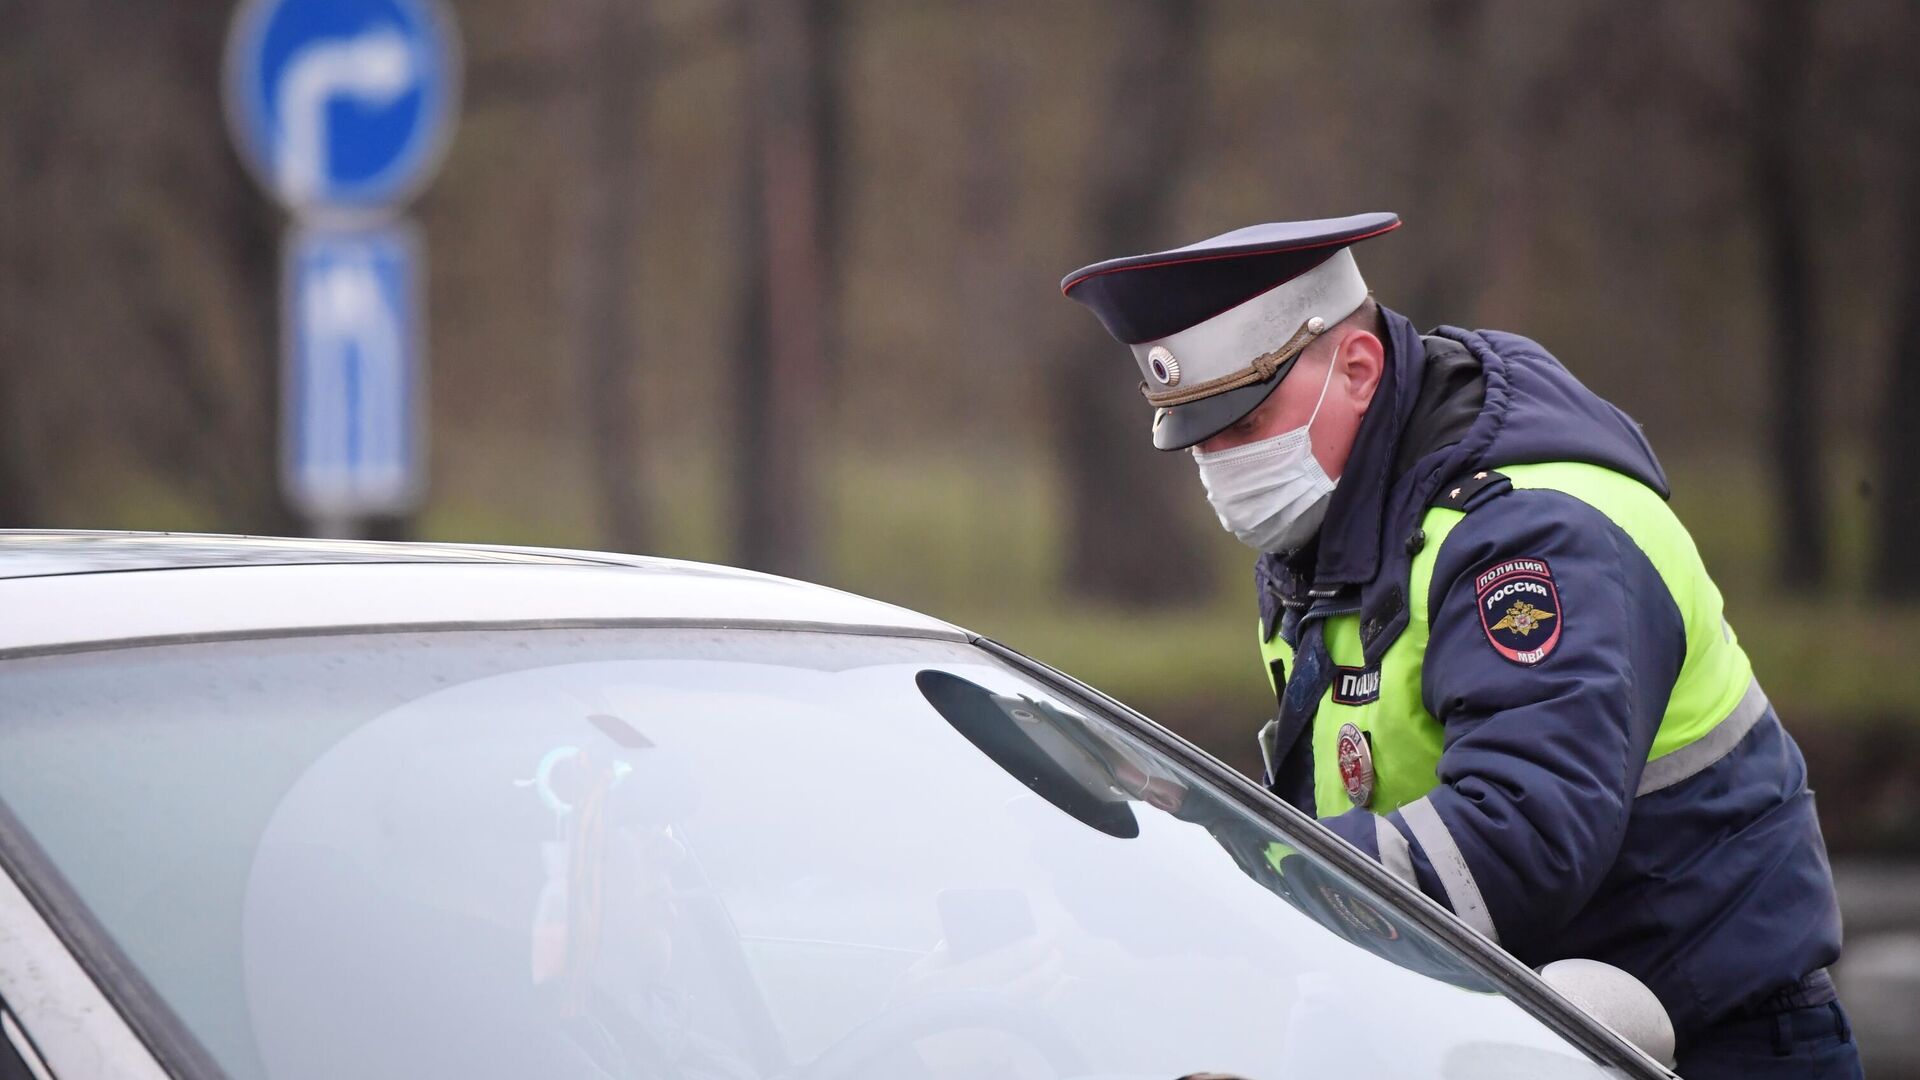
(1355,757)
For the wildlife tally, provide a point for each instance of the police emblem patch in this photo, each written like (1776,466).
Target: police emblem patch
(1354,756)
(1519,609)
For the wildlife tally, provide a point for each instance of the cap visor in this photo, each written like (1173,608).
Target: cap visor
(1197,421)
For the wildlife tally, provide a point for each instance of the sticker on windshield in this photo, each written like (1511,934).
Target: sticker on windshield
(1359,914)
(1519,609)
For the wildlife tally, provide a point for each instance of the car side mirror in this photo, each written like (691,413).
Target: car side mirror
(1617,1000)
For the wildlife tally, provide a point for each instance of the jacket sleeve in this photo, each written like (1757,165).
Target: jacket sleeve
(1545,739)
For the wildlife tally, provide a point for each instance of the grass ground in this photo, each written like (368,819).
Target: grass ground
(978,541)
(977,547)
(1841,664)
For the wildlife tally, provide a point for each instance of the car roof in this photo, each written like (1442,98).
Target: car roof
(66,589)
(56,554)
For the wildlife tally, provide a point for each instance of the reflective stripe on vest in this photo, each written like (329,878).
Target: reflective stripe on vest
(1714,701)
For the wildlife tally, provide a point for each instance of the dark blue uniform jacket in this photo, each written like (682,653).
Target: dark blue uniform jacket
(1715,891)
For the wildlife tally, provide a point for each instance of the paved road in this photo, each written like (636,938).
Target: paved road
(1879,975)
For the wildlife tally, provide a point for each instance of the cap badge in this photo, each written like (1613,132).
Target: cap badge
(1166,370)
(1354,756)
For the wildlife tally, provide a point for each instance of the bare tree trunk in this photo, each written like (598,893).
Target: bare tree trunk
(779,395)
(1130,508)
(219,344)
(19,501)
(1898,523)
(827,29)
(1451,267)
(1896,570)
(987,178)
(1778,74)
(20,505)
(750,479)
(609,206)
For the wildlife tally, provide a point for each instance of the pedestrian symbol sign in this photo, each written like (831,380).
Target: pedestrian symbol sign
(352,378)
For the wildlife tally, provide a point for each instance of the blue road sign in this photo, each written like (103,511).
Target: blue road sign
(351,426)
(341,104)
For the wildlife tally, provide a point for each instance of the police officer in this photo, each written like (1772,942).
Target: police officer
(1501,667)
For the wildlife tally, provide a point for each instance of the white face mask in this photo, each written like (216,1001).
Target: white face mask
(1272,494)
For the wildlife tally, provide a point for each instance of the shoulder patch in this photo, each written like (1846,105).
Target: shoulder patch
(1519,609)
(1461,492)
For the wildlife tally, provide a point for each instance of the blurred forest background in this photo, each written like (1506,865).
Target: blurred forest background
(775,282)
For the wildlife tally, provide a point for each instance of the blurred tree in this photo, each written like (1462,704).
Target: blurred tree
(138,262)
(779,365)
(20,500)
(618,65)
(1758,118)
(988,184)
(1451,256)
(1739,82)
(1898,524)
(829,29)
(1896,570)
(1128,510)
(1778,68)
(141,265)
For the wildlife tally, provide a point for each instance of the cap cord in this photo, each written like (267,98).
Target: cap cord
(1263,368)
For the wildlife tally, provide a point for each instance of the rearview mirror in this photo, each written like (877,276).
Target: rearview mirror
(1617,1000)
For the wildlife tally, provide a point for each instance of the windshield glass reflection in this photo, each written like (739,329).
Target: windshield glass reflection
(698,854)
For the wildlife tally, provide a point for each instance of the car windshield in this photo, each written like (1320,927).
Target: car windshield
(696,853)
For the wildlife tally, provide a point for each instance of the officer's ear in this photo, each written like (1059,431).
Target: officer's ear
(1362,359)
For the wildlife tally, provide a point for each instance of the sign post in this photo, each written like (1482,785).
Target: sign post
(342,109)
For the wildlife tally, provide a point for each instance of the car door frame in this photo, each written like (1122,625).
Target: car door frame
(79,1006)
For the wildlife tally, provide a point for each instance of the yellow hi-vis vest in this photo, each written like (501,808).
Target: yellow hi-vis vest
(1715,690)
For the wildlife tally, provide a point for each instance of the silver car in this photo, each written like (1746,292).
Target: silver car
(299,809)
